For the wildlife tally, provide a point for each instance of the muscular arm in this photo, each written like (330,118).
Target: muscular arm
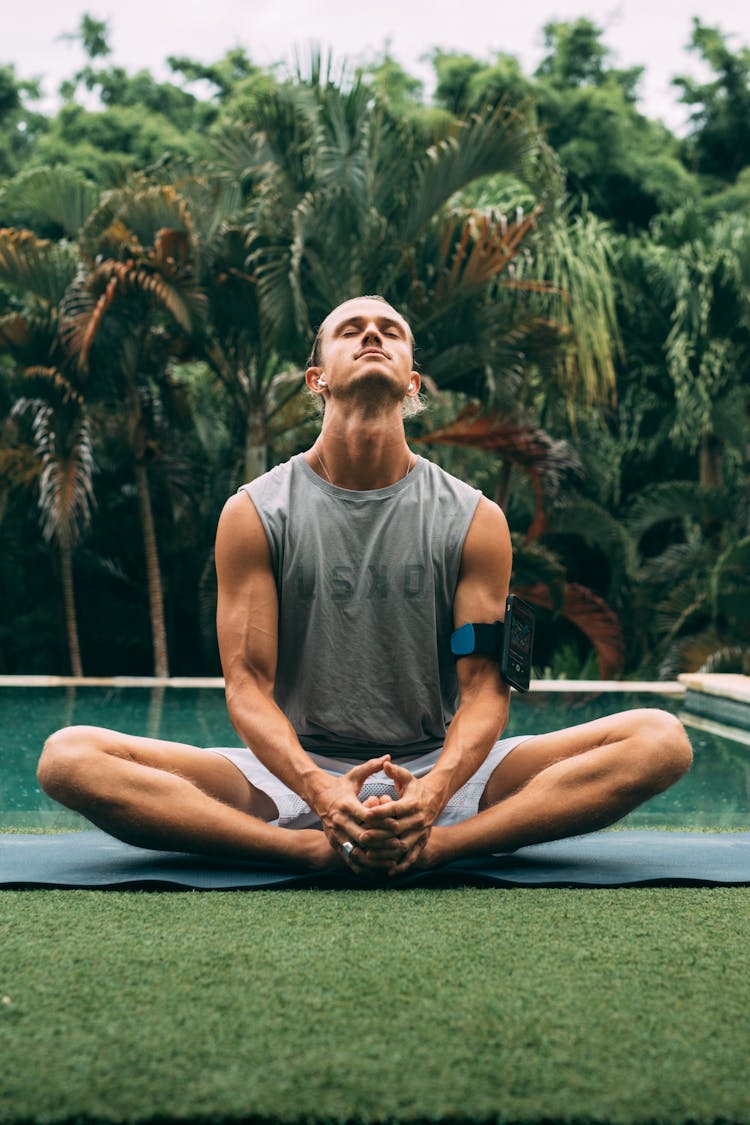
(483,711)
(247,631)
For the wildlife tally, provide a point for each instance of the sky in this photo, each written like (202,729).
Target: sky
(652,33)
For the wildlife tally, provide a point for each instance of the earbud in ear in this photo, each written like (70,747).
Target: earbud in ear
(411,386)
(322,381)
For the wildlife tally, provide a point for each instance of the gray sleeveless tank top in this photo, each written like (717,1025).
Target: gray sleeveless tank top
(365,583)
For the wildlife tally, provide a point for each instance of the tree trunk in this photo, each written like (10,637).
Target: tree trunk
(153,572)
(155,710)
(256,448)
(71,624)
(711,468)
(502,488)
(155,594)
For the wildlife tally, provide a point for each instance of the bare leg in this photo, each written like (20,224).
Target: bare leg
(165,795)
(569,782)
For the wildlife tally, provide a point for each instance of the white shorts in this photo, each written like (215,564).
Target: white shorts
(294,813)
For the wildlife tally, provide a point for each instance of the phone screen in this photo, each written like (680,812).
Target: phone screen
(518,641)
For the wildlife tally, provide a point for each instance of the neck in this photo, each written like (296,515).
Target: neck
(361,453)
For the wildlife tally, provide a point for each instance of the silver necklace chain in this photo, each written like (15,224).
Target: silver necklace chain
(408,469)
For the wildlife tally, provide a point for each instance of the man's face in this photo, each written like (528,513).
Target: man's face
(366,343)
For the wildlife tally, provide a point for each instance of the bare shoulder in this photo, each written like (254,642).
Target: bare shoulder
(486,560)
(240,539)
(488,537)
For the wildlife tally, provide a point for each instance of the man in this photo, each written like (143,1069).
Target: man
(341,576)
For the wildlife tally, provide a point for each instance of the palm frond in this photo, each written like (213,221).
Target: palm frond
(600,530)
(576,258)
(82,316)
(678,560)
(693,653)
(591,614)
(37,265)
(29,337)
(500,139)
(59,193)
(730,585)
(536,565)
(85,309)
(728,658)
(672,500)
(546,460)
(473,250)
(64,446)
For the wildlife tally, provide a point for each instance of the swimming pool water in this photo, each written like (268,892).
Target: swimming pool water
(716,792)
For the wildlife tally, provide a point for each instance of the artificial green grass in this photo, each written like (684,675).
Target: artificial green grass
(415,1005)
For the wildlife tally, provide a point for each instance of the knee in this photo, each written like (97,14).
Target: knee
(64,760)
(663,746)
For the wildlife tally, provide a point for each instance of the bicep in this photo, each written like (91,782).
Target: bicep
(247,605)
(486,560)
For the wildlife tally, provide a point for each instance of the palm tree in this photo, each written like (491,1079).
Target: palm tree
(345,198)
(134,297)
(694,593)
(700,276)
(62,443)
(39,272)
(109,309)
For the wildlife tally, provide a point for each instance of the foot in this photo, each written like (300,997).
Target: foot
(435,853)
(316,852)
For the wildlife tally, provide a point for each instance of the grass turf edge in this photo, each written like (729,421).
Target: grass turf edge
(450,1005)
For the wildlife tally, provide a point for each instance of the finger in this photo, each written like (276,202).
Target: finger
(399,775)
(360,773)
(389,825)
(381,851)
(399,809)
(364,862)
(376,838)
(372,863)
(350,817)
(400,867)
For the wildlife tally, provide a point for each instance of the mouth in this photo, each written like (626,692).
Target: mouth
(372,351)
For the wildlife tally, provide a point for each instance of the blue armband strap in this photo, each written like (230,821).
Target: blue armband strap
(482,640)
(510,642)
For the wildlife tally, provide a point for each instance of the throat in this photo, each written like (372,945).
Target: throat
(360,474)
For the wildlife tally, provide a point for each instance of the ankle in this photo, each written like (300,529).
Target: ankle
(438,850)
(314,852)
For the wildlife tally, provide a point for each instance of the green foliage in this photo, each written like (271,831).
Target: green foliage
(466,84)
(93,35)
(37,196)
(20,126)
(719,142)
(562,259)
(106,145)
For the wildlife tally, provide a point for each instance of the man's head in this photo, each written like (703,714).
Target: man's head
(364,347)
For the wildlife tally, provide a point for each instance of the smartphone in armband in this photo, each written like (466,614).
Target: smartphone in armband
(517,643)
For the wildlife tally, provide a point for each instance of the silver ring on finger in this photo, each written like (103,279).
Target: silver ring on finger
(347,847)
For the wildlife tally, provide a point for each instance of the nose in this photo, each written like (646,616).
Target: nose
(371,337)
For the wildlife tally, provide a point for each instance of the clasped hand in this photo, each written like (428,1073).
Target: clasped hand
(387,835)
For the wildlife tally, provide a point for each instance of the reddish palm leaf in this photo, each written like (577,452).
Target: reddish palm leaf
(544,459)
(484,247)
(591,614)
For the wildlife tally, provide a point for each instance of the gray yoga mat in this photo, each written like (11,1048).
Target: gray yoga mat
(602,859)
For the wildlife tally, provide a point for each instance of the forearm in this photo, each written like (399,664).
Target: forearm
(476,726)
(263,727)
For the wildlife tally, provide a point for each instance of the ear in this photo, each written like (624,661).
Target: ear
(311,378)
(414,385)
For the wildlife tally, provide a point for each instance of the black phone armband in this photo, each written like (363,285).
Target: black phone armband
(510,642)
